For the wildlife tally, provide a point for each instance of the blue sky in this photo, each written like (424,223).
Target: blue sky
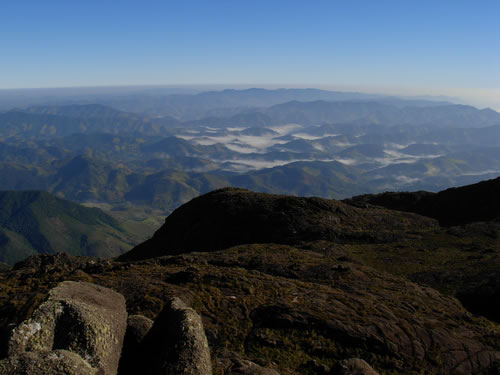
(407,44)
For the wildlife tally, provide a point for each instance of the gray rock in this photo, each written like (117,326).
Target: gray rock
(176,344)
(233,363)
(57,362)
(356,366)
(137,328)
(83,318)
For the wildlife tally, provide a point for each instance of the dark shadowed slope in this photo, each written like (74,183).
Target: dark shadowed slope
(232,216)
(467,204)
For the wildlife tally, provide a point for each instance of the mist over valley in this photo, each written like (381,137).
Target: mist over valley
(285,141)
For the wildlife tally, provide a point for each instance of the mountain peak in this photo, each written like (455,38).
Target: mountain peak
(232,216)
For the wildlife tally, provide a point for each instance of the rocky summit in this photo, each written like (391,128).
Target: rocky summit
(232,216)
(238,282)
(454,206)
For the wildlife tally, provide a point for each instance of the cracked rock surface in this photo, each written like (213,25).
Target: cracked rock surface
(79,317)
(57,362)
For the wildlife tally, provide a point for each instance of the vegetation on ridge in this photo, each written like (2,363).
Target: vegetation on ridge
(33,222)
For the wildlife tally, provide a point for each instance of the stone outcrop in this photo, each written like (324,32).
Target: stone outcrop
(233,363)
(176,344)
(256,297)
(454,206)
(82,329)
(232,216)
(355,366)
(79,317)
(138,327)
(57,362)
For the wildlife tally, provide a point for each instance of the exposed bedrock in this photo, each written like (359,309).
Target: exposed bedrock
(232,216)
(355,366)
(79,317)
(57,362)
(233,363)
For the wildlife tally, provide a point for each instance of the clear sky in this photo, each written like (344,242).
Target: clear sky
(417,45)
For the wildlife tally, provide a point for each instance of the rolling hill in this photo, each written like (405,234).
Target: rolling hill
(33,222)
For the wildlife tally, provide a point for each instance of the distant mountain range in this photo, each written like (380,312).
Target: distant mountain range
(181,103)
(166,173)
(287,141)
(86,179)
(57,121)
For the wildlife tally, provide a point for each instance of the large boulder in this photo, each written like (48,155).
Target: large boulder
(57,362)
(176,344)
(83,318)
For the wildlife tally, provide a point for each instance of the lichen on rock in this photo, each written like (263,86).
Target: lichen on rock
(83,318)
(57,362)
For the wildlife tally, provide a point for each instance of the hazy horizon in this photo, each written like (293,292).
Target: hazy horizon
(481,98)
(388,47)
